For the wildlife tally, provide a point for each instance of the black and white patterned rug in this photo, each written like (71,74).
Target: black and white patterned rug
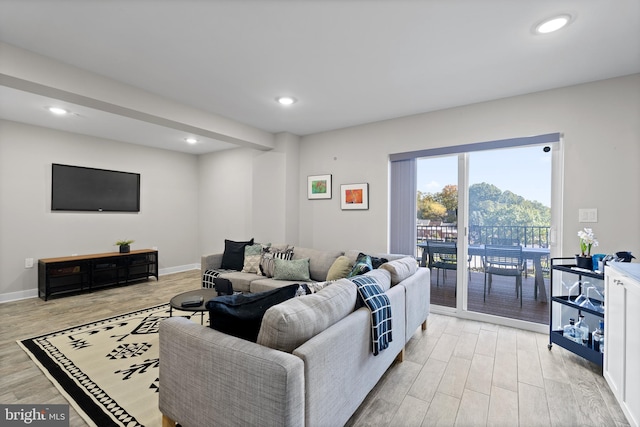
(108,370)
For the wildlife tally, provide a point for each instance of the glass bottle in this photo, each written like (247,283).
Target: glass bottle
(598,338)
(569,331)
(584,330)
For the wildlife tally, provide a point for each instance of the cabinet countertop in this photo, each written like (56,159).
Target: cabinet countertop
(632,270)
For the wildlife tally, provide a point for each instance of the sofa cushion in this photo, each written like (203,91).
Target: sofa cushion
(400,269)
(288,325)
(240,315)
(233,256)
(296,269)
(319,261)
(340,268)
(362,265)
(241,281)
(383,277)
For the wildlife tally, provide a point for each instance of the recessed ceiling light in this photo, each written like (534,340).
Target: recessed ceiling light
(58,111)
(191,140)
(552,24)
(286,100)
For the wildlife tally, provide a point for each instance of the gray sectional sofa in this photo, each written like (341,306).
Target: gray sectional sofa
(312,364)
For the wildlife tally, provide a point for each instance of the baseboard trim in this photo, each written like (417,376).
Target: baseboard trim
(33,293)
(178,269)
(16,296)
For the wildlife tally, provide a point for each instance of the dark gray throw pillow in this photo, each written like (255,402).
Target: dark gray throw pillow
(233,256)
(240,315)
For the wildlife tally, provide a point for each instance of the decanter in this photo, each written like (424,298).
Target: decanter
(598,338)
(584,330)
(570,332)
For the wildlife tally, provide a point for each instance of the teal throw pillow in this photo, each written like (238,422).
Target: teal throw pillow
(295,269)
(362,265)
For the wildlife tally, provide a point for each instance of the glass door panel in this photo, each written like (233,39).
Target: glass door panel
(509,199)
(437,225)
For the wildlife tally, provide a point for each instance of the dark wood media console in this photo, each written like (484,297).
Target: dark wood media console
(88,272)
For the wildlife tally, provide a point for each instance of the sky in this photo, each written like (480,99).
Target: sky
(526,171)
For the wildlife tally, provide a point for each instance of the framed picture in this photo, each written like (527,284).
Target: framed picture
(354,196)
(319,187)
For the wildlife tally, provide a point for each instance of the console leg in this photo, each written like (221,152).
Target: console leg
(424,325)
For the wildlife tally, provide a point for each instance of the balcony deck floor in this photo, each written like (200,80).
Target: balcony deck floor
(502,300)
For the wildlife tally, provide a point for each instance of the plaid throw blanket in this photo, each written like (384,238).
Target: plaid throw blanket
(371,295)
(209,275)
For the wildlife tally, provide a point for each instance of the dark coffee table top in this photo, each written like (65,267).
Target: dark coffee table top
(207,294)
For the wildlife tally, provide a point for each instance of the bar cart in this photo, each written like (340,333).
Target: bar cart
(581,293)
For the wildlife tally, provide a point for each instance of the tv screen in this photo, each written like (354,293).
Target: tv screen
(76,188)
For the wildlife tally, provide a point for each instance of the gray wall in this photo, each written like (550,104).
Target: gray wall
(601,126)
(28,228)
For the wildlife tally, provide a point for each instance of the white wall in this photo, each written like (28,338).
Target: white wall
(601,126)
(29,229)
(191,204)
(247,193)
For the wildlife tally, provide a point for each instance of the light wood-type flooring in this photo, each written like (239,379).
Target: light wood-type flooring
(457,372)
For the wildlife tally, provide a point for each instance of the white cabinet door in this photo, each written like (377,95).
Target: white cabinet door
(632,359)
(614,332)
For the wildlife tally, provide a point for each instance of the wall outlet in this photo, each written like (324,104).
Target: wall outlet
(28,263)
(588,215)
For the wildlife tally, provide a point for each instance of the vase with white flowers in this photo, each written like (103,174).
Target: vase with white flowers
(587,241)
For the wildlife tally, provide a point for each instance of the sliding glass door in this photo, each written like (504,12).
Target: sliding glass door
(472,200)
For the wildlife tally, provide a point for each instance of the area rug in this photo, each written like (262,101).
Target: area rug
(108,370)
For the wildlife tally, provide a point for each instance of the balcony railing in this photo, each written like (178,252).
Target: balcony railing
(528,235)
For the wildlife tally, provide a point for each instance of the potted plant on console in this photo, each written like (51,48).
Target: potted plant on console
(125,246)
(587,241)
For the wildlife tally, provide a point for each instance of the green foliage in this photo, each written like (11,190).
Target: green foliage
(488,205)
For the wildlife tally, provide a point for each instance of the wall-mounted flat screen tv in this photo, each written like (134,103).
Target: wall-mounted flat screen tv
(76,188)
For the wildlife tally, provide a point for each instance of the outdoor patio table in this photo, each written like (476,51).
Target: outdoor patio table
(534,254)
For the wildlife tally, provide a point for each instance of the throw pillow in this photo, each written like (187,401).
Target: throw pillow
(362,265)
(267,260)
(375,261)
(296,269)
(340,268)
(241,315)
(233,256)
(252,256)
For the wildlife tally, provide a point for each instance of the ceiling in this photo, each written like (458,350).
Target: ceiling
(347,62)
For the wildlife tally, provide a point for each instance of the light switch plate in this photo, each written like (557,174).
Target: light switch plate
(588,215)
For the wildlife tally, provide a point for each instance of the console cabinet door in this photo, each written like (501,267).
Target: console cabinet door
(614,324)
(622,342)
(632,353)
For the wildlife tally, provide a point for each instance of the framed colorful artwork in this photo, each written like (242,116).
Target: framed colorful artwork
(319,187)
(354,196)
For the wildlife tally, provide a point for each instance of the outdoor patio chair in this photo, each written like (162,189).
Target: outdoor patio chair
(442,255)
(503,261)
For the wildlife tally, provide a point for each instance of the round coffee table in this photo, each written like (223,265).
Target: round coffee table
(206,294)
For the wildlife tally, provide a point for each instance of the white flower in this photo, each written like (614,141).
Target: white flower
(587,241)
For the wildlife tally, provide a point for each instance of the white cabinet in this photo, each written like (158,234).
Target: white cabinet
(622,337)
